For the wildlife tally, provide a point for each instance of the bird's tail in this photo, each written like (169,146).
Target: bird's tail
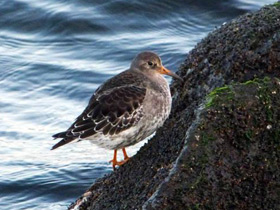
(60,135)
(66,139)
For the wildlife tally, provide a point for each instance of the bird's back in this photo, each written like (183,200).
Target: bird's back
(114,107)
(125,78)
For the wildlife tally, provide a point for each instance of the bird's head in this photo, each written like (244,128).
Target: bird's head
(151,62)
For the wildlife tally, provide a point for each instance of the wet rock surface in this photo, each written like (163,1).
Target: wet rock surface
(216,156)
(231,159)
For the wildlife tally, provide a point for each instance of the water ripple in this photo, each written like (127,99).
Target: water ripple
(53,56)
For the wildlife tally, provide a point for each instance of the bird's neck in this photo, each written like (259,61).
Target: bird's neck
(157,81)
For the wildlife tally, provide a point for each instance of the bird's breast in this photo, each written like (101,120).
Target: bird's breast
(157,105)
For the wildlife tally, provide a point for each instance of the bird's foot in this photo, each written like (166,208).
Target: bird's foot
(118,163)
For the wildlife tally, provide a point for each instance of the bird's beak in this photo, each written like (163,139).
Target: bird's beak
(164,70)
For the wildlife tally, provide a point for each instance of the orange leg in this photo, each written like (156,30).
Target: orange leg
(125,155)
(115,162)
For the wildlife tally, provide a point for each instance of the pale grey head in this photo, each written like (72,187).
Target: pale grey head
(150,62)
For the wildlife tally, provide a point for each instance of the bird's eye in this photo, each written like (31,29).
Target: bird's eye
(150,63)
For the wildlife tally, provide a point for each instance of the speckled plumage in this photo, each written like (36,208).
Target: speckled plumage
(125,109)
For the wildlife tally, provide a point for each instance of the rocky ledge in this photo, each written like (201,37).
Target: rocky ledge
(220,147)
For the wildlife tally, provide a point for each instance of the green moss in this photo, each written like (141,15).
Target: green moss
(250,82)
(216,93)
(226,94)
(277,4)
(257,81)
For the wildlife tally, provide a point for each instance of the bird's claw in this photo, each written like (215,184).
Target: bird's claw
(118,163)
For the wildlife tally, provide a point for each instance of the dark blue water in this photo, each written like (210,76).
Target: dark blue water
(53,55)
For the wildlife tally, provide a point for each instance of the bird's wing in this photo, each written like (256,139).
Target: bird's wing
(109,113)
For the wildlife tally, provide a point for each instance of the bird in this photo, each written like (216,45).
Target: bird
(126,109)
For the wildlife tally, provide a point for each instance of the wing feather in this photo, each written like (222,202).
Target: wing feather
(108,113)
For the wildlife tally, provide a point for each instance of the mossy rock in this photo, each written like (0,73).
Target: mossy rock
(233,154)
(231,149)
(277,4)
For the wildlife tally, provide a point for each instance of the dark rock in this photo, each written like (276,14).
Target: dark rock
(231,159)
(223,156)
